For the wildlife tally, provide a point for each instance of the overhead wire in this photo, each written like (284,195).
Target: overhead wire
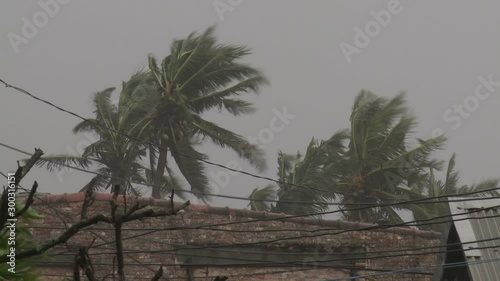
(402,271)
(147,142)
(360,229)
(185,155)
(285,217)
(375,227)
(23,91)
(386,256)
(426,200)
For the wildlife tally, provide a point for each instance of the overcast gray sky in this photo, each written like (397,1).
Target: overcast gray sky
(313,53)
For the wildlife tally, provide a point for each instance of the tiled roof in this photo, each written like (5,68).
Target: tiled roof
(79,197)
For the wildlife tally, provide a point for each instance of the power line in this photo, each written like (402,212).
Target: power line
(407,249)
(146,142)
(411,201)
(278,218)
(375,227)
(469,199)
(402,271)
(177,152)
(370,205)
(411,254)
(260,242)
(354,256)
(398,250)
(416,270)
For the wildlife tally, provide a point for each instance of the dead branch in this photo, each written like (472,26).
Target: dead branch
(30,163)
(158,274)
(89,200)
(119,251)
(86,264)
(152,214)
(29,200)
(61,239)
(18,176)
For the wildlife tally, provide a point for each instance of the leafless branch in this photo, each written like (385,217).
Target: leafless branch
(119,251)
(89,199)
(158,274)
(29,200)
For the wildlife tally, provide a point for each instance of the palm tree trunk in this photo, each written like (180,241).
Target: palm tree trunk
(118,179)
(160,169)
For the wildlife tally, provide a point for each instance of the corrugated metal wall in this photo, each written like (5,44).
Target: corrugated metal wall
(486,228)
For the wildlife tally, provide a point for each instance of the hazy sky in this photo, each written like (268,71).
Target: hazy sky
(313,53)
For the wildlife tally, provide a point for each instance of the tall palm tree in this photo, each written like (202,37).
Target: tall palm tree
(377,166)
(199,75)
(117,156)
(301,180)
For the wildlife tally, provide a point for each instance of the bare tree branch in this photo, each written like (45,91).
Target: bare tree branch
(29,200)
(61,239)
(158,274)
(18,176)
(89,200)
(119,251)
(152,214)
(30,163)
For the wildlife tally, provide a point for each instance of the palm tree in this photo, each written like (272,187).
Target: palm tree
(377,166)
(260,198)
(199,75)
(117,156)
(302,180)
(437,188)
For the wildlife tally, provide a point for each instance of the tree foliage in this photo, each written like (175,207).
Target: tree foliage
(199,75)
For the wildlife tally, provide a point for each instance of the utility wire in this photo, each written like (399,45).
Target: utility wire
(407,249)
(352,256)
(260,242)
(7,85)
(416,269)
(482,191)
(385,256)
(375,227)
(370,205)
(324,234)
(177,152)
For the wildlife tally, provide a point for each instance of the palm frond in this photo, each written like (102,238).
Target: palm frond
(482,189)
(190,166)
(223,138)
(259,197)
(60,162)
